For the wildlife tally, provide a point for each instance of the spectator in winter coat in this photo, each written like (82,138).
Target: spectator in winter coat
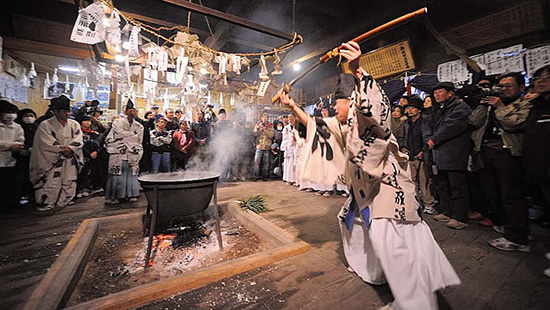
(161,147)
(27,120)
(88,179)
(183,142)
(448,136)
(12,140)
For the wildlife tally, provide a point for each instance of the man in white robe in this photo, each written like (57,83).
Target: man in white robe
(383,236)
(56,158)
(288,146)
(124,145)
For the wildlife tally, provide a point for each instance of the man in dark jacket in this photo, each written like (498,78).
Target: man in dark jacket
(414,147)
(536,148)
(447,134)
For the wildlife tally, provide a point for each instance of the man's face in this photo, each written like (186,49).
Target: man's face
(542,83)
(178,115)
(86,124)
(403,102)
(150,116)
(131,113)
(62,114)
(170,114)
(285,120)
(200,115)
(485,84)
(510,88)
(265,117)
(441,95)
(161,124)
(412,111)
(342,109)
(221,117)
(291,119)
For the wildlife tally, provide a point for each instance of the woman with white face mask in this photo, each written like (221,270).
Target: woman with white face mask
(11,142)
(25,192)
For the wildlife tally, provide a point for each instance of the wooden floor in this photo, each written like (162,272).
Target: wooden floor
(319,279)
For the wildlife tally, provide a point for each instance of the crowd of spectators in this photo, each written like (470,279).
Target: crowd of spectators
(483,159)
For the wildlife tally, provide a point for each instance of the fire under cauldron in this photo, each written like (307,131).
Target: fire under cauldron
(176,195)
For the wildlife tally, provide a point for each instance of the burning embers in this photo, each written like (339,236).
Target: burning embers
(174,249)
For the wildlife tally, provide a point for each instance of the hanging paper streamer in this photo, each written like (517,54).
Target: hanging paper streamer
(88,28)
(263,69)
(32,74)
(25,79)
(181,66)
(47,82)
(67,86)
(134,42)
(263,88)
(277,69)
(127,68)
(113,34)
(55,79)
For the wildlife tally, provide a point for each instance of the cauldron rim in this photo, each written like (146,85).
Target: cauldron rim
(195,176)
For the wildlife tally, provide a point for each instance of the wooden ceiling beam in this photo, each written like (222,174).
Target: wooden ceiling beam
(17,44)
(231,18)
(164,23)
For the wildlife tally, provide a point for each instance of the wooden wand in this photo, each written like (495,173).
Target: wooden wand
(360,39)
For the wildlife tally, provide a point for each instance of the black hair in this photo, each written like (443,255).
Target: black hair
(520,80)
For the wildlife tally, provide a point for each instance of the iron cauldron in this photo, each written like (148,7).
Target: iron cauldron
(176,195)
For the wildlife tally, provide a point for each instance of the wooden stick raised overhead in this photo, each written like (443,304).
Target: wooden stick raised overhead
(360,39)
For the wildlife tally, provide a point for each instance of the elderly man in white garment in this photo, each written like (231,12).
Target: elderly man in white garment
(383,236)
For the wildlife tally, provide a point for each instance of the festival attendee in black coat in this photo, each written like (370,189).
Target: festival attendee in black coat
(448,136)
(536,146)
(27,119)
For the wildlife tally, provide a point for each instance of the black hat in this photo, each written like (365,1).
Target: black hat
(448,86)
(95,109)
(95,103)
(130,105)
(222,111)
(86,118)
(22,112)
(61,103)
(6,106)
(416,102)
(155,107)
(346,84)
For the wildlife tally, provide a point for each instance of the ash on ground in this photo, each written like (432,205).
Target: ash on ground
(118,256)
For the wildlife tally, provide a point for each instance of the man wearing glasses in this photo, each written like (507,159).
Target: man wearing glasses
(499,121)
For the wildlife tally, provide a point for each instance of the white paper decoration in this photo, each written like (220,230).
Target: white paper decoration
(88,28)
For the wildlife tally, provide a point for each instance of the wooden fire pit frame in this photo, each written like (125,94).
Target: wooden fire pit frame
(59,282)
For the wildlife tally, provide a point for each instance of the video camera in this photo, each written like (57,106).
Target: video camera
(495,91)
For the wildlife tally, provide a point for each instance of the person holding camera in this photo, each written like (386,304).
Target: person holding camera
(264,133)
(499,121)
(448,138)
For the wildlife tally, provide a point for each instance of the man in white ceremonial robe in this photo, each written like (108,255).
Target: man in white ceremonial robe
(56,158)
(125,148)
(289,147)
(384,238)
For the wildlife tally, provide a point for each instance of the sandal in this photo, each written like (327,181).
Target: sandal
(45,208)
(507,245)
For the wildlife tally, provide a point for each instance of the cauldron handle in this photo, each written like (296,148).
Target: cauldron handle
(217,216)
(152,227)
